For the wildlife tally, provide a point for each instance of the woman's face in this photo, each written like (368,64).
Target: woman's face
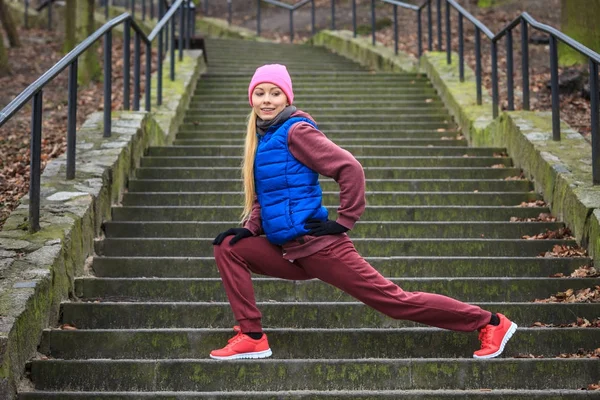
(268,101)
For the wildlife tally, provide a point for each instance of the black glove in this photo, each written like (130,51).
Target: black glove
(237,233)
(317,227)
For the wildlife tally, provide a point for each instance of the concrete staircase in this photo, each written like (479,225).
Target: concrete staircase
(438,219)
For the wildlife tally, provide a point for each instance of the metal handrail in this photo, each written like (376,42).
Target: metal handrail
(291,9)
(397,4)
(35,90)
(525,21)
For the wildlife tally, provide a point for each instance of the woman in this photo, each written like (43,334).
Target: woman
(284,155)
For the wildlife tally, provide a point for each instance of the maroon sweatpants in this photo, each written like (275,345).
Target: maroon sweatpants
(341,266)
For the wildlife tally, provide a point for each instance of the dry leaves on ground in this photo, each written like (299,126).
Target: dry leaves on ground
(579,323)
(561,250)
(586,295)
(586,271)
(542,217)
(562,233)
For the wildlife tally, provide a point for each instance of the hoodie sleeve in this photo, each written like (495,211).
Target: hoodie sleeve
(313,149)
(254,221)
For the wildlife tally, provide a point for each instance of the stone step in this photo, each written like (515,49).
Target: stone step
(376,185)
(372,213)
(356,150)
(370,173)
(389,229)
(331,90)
(302,374)
(293,69)
(307,343)
(341,137)
(238,105)
(495,394)
(390,98)
(268,289)
(366,161)
(364,137)
(240,125)
(395,266)
(330,198)
(214,78)
(325,114)
(328,119)
(198,140)
(291,315)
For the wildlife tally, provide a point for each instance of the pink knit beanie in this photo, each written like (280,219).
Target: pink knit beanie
(275,74)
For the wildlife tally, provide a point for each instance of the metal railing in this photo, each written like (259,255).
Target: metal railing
(291,9)
(147,8)
(524,21)
(35,90)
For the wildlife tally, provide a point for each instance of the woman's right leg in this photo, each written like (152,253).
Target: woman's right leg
(235,263)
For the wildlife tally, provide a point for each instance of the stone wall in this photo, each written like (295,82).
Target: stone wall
(37,270)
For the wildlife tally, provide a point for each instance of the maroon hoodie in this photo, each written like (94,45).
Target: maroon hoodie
(313,149)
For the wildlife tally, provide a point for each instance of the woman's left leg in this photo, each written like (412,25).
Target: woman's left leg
(341,266)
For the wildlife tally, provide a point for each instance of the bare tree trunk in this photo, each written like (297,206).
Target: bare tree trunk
(4,68)
(579,19)
(90,69)
(70,39)
(9,25)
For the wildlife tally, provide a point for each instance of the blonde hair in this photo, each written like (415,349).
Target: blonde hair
(248,166)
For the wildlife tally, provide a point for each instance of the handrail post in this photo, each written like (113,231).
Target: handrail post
(72,120)
(291,26)
(148,76)
(395,29)
(151,9)
(554,88)
(143,10)
(159,75)
(448,34)
(229,12)
(525,63)
(312,16)
(429,27)
(133,9)
(353,16)
(439,24)
(595,122)
(333,15)
(107,82)
(258,18)
(26,12)
(509,71)
(419,34)
(181,29)
(35,163)
(495,95)
(126,62)
(461,49)
(136,72)
(172,47)
(373,21)
(106,9)
(478,65)
(49,16)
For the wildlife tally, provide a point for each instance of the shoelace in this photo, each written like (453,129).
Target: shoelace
(485,337)
(235,340)
(239,333)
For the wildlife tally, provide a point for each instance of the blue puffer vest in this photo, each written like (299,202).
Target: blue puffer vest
(288,191)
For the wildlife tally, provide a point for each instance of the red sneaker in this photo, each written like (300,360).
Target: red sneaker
(243,346)
(494,338)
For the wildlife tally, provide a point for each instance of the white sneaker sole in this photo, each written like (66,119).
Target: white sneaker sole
(511,331)
(258,354)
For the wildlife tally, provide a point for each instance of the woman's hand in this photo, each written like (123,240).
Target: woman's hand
(237,233)
(317,227)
